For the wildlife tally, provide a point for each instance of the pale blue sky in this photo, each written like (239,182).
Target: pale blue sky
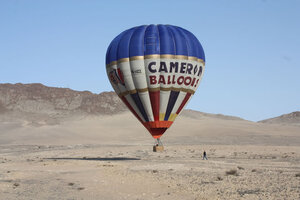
(252,47)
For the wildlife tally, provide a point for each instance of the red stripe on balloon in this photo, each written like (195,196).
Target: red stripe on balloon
(131,109)
(120,75)
(154,98)
(186,98)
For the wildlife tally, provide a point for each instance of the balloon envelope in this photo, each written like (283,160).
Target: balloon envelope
(155,69)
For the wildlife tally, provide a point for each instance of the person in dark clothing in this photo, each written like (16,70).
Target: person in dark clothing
(204,156)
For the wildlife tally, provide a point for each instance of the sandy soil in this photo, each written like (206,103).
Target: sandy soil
(111,158)
(135,172)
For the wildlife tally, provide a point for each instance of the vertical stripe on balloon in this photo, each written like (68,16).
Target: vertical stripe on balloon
(176,106)
(186,98)
(134,107)
(163,103)
(172,117)
(140,106)
(171,103)
(154,97)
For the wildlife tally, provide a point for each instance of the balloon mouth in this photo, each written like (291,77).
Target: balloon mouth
(157,132)
(157,128)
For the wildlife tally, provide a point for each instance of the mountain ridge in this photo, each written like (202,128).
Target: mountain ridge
(38,98)
(289,118)
(36,101)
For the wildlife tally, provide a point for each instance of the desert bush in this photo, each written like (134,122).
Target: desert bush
(232,172)
(240,168)
(219,178)
(16,184)
(253,170)
(298,174)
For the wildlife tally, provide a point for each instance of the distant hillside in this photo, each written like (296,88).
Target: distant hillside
(37,99)
(198,115)
(291,118)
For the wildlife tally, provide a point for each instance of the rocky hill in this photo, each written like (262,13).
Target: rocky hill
(291,118)
(36,100)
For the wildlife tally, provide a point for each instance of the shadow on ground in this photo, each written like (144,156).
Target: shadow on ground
(96,159)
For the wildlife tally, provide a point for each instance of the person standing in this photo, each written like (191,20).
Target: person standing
(204,155)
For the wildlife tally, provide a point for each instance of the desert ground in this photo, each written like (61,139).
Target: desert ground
(111,157)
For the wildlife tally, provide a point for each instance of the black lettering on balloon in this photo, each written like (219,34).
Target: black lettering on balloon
(182,68)
(163,67)
(150,67)
(200,71)
(173,65)
(189,68)
(195,69)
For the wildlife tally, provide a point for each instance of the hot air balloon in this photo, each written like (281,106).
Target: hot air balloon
(155,70)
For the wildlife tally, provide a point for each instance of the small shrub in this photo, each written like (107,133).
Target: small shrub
(240,168)
(219,178)
(16,184)
(232,172)
(253,170)
(297,175)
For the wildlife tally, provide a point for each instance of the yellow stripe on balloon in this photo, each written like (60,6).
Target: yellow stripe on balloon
(162,116)
(172,117)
